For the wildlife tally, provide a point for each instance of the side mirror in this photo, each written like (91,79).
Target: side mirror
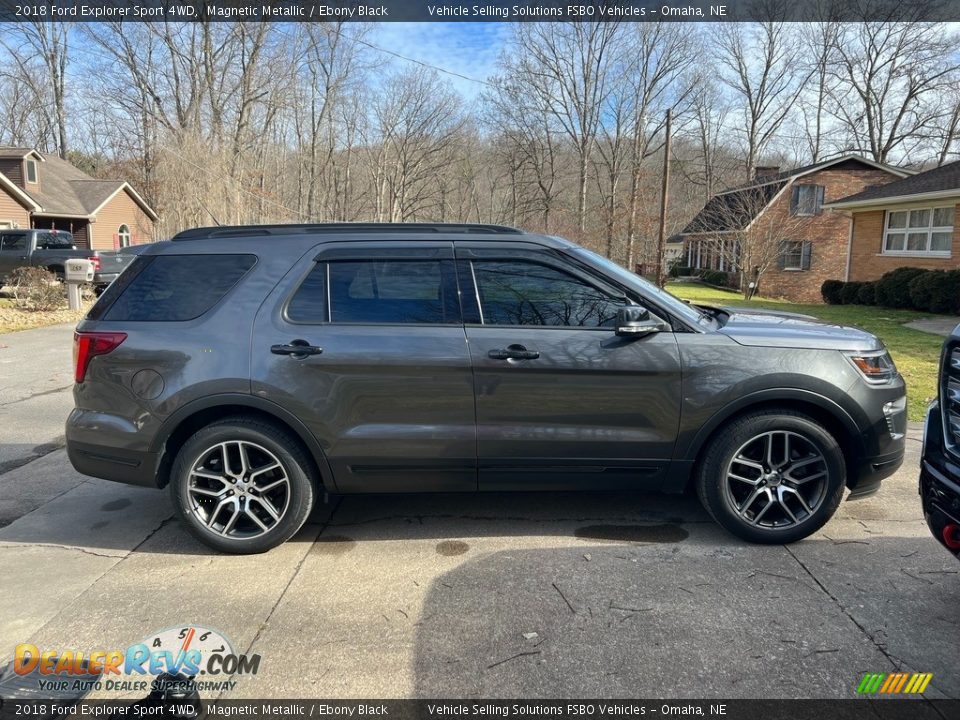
(635,321)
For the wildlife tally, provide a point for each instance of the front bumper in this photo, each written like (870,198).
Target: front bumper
(939,480)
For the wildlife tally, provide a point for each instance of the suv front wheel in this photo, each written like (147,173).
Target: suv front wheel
(772,477)
(242,486)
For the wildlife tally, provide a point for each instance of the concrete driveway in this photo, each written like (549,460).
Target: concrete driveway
(554,595)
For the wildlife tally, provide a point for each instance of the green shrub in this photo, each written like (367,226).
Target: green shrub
(36,289)
(677,270)
(893,289)
(831,291)
(867,294)
(715,277)
(936,291)
(849,293)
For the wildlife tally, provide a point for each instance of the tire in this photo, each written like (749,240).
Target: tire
(242,486)
(780,460)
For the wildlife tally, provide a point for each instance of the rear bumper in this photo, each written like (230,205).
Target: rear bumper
(939,480)
(122,462)
(123,466)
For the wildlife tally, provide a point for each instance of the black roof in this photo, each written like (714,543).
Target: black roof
(945,177)
(733,210)
(252,231)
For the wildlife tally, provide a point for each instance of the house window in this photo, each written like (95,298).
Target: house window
(795,255)
(123,236)
(924,231)
(807,200)
(32,171)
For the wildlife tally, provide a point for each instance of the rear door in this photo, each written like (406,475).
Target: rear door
(388,390)
(562,401)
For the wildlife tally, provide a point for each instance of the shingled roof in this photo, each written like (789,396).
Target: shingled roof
(735,208)
(940,180)
(65,190)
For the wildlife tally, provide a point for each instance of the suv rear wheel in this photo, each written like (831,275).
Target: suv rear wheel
(242,486)
(772,477)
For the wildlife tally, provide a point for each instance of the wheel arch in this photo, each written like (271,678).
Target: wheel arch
(197,414)
(828,413)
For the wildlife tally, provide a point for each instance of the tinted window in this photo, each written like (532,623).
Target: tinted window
(54,240)
(171,288)
(515,292)
(13,242)
(378,292)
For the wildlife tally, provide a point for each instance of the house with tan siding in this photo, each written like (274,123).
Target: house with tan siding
(794,199)
(906,223)
(38,191)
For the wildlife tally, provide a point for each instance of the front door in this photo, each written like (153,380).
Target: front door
(562,401)
(383,379)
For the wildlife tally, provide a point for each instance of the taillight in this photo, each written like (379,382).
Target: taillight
(87,345)
(95,259)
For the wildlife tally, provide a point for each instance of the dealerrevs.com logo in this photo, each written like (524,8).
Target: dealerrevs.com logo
(186,651)
(894,683)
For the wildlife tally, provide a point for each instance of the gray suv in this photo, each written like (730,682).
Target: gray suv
(252,368)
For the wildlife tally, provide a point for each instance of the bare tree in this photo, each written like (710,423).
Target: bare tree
(888,78)
(566,66)
(762,70)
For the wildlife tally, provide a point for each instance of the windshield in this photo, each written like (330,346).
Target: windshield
(672,303)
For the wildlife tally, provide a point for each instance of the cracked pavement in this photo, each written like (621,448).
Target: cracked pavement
(499,595)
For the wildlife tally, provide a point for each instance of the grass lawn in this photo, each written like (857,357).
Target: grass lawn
(915,353)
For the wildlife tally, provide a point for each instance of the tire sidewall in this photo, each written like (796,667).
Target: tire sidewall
(301,485)
(712,475)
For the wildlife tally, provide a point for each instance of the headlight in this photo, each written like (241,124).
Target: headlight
(876,367)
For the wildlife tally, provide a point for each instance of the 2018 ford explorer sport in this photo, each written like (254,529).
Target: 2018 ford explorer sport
(252,368)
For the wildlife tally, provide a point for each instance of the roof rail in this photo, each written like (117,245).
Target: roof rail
(341,228)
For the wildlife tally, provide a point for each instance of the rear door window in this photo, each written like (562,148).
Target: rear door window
(383,292)
(174,288)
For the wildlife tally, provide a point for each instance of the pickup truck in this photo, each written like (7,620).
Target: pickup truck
(51,249)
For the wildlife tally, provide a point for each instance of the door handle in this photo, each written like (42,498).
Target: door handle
(514,352)
(296,348)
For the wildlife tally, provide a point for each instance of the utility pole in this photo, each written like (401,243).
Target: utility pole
(664,199)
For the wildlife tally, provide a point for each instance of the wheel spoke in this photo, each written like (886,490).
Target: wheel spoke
(742,479)
(232,521)
(208,475)
(783,504)
(770,502)
(206,491)
(261,471)
(800,481)
(750,500)
(799,497)
(250,514)
(271,486)
(244,459)
(268,506)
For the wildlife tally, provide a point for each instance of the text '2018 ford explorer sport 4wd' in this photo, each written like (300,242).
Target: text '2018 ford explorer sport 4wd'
(251,368)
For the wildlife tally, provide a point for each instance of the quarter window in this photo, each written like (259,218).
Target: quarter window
(517,292)
(382,292)
(174,288)
(924,231)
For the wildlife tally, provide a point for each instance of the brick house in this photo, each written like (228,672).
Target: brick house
(38,191)
(906,223)
(816,242)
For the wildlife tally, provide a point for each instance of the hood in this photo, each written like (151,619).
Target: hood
(770,328)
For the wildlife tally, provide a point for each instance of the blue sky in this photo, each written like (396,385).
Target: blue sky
(470,49)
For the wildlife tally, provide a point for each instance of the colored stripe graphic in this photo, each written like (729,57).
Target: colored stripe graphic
(894,683)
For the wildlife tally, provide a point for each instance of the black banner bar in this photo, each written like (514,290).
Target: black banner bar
(482,11)
(872,708)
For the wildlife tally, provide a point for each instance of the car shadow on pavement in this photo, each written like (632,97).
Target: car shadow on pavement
(698,619)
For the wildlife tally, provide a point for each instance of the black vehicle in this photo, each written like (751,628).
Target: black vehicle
(252,368)
(940,464)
